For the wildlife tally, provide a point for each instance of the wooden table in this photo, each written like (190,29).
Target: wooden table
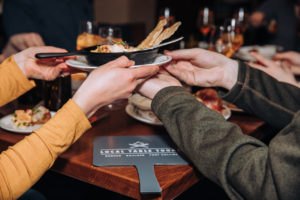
(76,162)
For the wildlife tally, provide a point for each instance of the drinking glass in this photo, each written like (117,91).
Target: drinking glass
(205,21)
(236,35)
(110,34)
(168,14)
(87,35)
(223,41)
(241,20)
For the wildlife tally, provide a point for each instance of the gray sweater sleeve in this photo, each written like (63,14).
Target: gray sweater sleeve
(245,167)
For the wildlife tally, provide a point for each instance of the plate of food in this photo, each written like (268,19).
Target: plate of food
(145,52)
(267,51)
(212,100)
(139,107)
(84,66)
(26,121)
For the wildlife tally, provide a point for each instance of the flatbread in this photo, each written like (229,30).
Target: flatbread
(153,35)
(168,32)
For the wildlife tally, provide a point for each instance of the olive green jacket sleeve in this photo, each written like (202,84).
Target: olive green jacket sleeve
(243,166)
(259,94)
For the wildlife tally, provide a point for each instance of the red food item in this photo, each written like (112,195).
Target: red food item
(211,99)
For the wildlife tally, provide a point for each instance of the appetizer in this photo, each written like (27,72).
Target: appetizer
(210,98)
(159,34)
(30,117)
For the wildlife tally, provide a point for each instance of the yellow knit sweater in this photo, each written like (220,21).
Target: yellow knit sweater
(25,162)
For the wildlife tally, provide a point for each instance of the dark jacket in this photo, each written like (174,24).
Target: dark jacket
(57,21)
(243,166)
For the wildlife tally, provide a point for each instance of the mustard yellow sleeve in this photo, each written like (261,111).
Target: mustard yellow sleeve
(13,81)
(25,162)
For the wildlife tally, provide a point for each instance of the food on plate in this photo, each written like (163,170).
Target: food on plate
(142,107)
(211,99)
(159,34)
(29,117)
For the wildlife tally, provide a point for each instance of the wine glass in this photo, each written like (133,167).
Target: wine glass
(168,14)
(87,36)
(204,22)
(223,40)
(236,35)
(111,35)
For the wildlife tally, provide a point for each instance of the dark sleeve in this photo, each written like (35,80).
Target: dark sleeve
(270,8)
(19,17)
(260,94)
(245,167)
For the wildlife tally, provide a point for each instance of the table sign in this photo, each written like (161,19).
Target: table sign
(143,152)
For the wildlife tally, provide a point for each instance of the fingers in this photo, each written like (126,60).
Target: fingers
(284,55)
(144,72)
(184,54)
(122,62)
(263,60)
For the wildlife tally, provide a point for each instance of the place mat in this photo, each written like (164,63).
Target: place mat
(143,152)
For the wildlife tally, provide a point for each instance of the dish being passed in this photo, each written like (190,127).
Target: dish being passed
(145,52)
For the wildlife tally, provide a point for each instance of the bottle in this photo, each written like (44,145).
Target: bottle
(57,92)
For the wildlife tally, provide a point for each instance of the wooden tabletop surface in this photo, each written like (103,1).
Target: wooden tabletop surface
(76,162)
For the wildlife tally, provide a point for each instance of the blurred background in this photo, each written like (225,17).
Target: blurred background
(137,18)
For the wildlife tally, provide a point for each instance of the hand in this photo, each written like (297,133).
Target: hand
(257,19)
(291,59)
(152,86)
(110,82)
(46,69)
(198,67)
(281,72)
(22,41)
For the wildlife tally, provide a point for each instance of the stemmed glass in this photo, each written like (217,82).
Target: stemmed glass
(111,35)
(168,14)
(236,36)
(205,21)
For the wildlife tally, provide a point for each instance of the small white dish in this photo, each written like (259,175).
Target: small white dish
(130,111)
(78,64)
(226,112)
(267,51)
(6,123)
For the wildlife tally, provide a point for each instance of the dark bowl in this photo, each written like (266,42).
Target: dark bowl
(140,57)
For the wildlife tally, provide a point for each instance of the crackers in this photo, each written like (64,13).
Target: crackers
(159,34)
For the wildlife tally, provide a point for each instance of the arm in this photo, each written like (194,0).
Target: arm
(13,81)
(260,94)
(242,165)
(25,162)
(250,89)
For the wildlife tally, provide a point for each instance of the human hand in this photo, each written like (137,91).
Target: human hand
(257,18)
(198,67)
(112,81)
(152,86)
(21,41)
(46,69)
(280,72)
(290,58)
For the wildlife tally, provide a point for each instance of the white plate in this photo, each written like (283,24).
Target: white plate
(226,112)
(267,51)
(130,111)
(6,123)
(232,108)
(159,60)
